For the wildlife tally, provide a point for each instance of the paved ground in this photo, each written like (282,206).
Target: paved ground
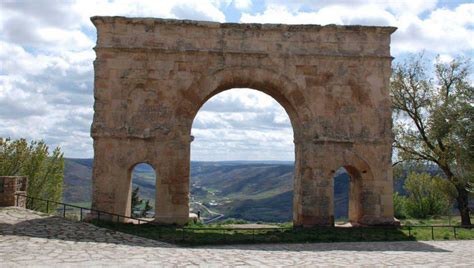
(30,239)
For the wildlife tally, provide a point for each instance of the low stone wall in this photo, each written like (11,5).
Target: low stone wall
(10,186)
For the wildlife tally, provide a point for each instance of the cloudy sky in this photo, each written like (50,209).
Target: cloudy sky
(46,75)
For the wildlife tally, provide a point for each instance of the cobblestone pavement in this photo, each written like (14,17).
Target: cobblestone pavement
(29,238)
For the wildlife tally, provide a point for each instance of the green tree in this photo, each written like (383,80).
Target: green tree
(147,208)
(45,171)
(424,196)
(136,204)
(136,201)
(399,203)
(434,121)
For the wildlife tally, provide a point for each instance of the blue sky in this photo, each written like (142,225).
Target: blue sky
(46,75)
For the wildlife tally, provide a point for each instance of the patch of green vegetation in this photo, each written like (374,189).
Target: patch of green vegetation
(211,190)
(438,220)
(198,234)
(82,204)
(285,224)
(231,221)
(262,195)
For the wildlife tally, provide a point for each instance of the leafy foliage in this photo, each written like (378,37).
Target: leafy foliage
(399,203)
(147,208)
(137,203)
(425,196)
(44,170)
(435,120)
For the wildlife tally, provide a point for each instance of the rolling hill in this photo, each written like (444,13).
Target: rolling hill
(255,191)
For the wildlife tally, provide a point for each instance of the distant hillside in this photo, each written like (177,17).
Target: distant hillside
(77,185)
(277,208)
(249,180)
(256,191)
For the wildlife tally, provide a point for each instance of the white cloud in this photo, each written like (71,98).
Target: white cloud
(444,58)
(47,96)
(225,144)
(363,15)
(43,25)
(395,6)
(442,30)
(242,4)
(179,9)
(242,124)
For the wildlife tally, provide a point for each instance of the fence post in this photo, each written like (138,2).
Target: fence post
(17,197)
(454,230)
(253,235)
(98,215)
(64,210)
(432,232)
(80,216)
(409,231)
(47,206)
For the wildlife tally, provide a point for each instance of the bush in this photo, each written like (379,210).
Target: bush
(399,203)
(45,170)
(424,197)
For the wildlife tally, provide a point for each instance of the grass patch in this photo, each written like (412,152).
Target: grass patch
(437,220)
(203,235)
(82,204)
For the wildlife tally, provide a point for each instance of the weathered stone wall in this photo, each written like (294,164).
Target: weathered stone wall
(153,75)
(10,186)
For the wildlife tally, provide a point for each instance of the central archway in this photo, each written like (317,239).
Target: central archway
(277,86)
(248,139)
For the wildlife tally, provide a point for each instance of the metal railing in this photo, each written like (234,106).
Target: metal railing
(63,207)
(356,231)
(224,234)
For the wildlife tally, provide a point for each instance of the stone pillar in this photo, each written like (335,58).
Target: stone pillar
(10,188)
(377,196)
(172,184)
(355,210)
(111,184)
(313,189)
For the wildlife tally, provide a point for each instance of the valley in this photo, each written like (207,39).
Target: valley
(248,190)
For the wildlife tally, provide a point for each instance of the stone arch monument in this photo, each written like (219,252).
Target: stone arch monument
(153,75)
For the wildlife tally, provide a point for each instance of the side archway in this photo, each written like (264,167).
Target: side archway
(142,193)
(360,179)
(352,190)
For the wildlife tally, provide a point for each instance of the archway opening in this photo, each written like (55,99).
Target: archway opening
(242,158)
(142,191)
(346,201)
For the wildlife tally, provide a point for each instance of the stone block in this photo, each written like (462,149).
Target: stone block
(12,191)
